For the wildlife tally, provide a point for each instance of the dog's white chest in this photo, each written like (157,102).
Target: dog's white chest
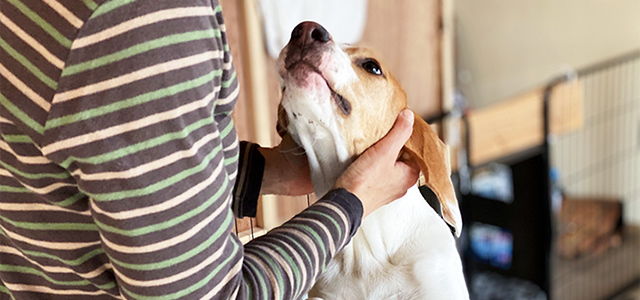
(402,251)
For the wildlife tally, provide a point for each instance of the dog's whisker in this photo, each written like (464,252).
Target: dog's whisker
(299,147)
(293,149)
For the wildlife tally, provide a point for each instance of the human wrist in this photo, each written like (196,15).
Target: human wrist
(271,183)
(357,190)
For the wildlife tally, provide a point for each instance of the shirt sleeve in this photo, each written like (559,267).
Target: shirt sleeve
(246,190)
(142,120)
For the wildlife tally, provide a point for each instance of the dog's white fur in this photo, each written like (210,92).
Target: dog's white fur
(403,250)
(313,125)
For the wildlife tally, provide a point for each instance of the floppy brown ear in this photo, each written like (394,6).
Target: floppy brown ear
(432,155)
(283,121)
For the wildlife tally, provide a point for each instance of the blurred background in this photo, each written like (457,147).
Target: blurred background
(540,103)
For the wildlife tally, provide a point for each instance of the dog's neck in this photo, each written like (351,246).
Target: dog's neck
(327,161)
(321,139)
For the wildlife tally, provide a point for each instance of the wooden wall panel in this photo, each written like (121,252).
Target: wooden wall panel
(499,130)
(407,34)
(242,115)
(235,28)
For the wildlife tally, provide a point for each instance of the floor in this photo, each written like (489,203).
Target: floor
(631,294)
(598,277)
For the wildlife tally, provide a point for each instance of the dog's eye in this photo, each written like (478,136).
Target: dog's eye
(372,67)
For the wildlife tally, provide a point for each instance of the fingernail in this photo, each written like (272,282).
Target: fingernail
(407,114)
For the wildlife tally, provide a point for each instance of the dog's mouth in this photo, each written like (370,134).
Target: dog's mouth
(343,104)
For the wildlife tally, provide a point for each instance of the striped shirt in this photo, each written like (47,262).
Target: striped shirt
(118,158)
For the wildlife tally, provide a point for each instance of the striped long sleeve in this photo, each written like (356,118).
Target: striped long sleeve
(118,158)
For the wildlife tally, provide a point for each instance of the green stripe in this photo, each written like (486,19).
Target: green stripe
(137,100)
(42,23)
(65,203)
(312,232)
(230,160)
(185,256)
(198,285)
(106,286)
(76,262)
(247,289)
(32,175)
(17,138)
(71,200)
(300,250)
(109,6)
(160,185)
(140,48)
(169,223)
(51,226)
(225,132)
(227,83)
(5,290)
(13,189)
(262,284)
(90,4)
(28,65)
(335,223)
(113,155)
(273,266)
(150,189)
(24,118)
(28,270)
(294,266)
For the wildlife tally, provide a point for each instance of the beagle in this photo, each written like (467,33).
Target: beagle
(336,102)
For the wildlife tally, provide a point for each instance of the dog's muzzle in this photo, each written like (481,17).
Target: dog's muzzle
(309,40)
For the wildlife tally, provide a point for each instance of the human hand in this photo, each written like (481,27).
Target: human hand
(377,177)
(286,169)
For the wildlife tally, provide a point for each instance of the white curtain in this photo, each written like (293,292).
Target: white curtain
(344,19)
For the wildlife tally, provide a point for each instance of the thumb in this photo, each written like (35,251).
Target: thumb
(398,135)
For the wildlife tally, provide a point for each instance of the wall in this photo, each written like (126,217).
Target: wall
(506,47)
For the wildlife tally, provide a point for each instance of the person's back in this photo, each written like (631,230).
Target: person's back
(88,127)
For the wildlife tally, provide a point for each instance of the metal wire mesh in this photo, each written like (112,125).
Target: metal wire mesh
(597,168)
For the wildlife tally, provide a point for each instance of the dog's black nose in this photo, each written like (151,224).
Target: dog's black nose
(309,33)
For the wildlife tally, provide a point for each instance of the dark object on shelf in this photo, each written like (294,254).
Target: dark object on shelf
(522,226)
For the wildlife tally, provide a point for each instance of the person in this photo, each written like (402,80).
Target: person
(121,171)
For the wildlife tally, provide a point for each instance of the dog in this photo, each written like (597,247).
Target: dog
(336,102)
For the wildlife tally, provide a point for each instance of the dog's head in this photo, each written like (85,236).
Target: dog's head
(337,101)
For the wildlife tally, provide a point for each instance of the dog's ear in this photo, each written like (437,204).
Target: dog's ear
(432,155)
(283,121)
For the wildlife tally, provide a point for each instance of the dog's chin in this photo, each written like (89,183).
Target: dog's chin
(303,76)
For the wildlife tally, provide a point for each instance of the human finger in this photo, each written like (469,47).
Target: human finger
(398,135)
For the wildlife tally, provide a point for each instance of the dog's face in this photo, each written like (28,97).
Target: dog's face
(338,101)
